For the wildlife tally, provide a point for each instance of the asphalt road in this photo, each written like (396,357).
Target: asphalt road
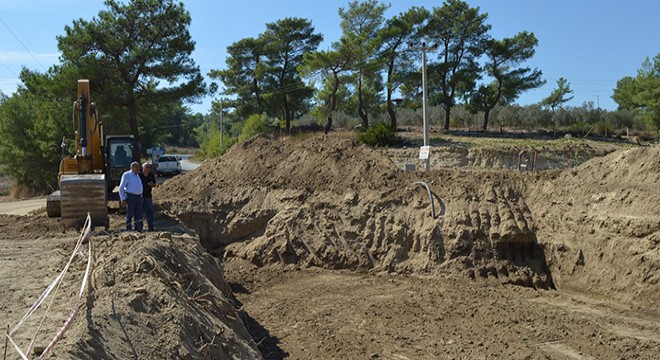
(187,165)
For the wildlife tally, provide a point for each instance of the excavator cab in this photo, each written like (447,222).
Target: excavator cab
(119,154)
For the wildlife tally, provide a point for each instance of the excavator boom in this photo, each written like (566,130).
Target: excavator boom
(82,178)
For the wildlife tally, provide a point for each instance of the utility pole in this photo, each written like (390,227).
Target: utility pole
(598,101)
(425,107)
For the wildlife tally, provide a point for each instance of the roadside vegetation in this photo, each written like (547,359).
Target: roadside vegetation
(6,183)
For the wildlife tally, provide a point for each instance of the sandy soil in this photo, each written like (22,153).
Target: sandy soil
(152,295)
(584,241)
(23,207)
(325,249)
(311,313)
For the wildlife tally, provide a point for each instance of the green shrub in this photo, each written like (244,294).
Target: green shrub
(31,128)
(380,134)
(255,124)
(581,127)
(210,143)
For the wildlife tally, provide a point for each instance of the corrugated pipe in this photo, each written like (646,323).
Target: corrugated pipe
(428,190)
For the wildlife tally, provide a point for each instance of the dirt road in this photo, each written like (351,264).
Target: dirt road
(22,207)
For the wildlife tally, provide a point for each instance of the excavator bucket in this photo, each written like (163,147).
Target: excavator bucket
(82,194)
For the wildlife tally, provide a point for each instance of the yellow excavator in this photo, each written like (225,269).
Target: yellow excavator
(88,178)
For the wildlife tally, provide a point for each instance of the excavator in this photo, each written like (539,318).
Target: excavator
(87,179)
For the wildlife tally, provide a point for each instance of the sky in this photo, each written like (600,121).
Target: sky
(591,43)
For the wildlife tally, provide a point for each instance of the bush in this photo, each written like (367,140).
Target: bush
(580,127)
(255,124)
(210,143)
(31,128)
(379,135)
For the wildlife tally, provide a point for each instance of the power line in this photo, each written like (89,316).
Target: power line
(22,44)
(8,69)
(50,19)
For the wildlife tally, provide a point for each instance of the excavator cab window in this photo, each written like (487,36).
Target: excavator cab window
(121,155)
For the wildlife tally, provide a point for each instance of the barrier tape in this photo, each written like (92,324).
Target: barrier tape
(55,285)
(76,307)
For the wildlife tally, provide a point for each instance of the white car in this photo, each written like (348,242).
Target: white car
(168,165)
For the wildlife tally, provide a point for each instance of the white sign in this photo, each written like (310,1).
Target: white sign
(424,152)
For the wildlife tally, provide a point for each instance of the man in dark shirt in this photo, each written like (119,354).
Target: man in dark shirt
(148,182)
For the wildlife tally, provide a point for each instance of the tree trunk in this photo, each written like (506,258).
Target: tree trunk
(391,112)
(447,114)
(486,114)
(492,105)
(333,102)
(390,108)
(287,114)
(133,123)
(328,124)
(361,113)
(257,93)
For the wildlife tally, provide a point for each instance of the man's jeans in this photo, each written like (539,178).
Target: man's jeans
(134,211)
(147,206)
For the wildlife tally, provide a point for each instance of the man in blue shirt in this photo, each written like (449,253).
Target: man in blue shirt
(130,193)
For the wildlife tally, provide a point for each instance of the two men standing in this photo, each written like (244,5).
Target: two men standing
(135,194)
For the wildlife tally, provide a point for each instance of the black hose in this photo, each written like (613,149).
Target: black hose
(83,122)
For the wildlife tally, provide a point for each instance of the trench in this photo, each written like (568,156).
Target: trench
(376,242)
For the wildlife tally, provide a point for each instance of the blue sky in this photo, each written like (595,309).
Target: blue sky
(591,43)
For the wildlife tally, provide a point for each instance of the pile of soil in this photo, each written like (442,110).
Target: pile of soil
(600,225)
(332,203)
(152,295)
(282,212)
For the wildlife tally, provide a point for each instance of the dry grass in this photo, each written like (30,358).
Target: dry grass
(22,192)
(6,184)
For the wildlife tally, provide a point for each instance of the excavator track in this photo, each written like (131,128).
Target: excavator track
(53,208)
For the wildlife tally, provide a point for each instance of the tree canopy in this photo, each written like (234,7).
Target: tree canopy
(461,32)
(360,24)
(262,73)
(32,127)
(509,80)
(394,37)
(559,96)
(641,94)
(137,56)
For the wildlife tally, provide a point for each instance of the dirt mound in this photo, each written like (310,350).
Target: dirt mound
(601,225)
(332,203)
(156,295)
(312,165)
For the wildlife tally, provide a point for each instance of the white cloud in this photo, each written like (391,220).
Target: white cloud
(8,86)
(23,57)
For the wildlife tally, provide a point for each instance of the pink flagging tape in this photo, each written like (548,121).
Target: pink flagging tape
(68,321)
(44,295)
(83,235)
(55,285)
(61,331)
